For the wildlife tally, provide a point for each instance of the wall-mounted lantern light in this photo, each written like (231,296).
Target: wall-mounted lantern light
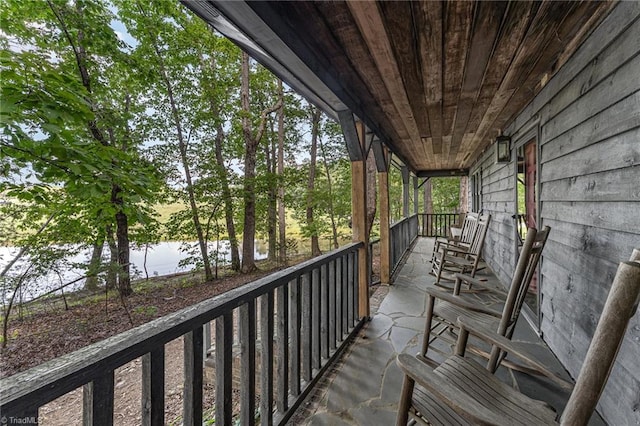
(503,149)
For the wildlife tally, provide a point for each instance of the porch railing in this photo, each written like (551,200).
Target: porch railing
(437,224)
(298,320)
(402,235)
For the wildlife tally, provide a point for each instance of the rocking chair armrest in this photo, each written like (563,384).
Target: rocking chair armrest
(447,247)
(461,302)
(514,348)
(475,281)
(443,390)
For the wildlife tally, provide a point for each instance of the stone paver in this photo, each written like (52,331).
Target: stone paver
(366,388)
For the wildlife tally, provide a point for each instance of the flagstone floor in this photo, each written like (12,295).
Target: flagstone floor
(363,388)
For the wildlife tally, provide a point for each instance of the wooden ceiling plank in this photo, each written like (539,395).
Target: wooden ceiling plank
(369,21)
(343,27)
(486,24)
(457,32)
(515,23)
(555,30)
(398,19)
(429,19)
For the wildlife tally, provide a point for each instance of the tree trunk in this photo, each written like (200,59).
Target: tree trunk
(114,268)
(315,129)
(332,216)
(463,206)
(228,201)
(223,175)
(282,222)
(272,195)
(428,200)
(182,147)
(91,283)
(251,146)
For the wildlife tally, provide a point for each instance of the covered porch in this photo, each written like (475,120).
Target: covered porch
(364,386)
(433,86)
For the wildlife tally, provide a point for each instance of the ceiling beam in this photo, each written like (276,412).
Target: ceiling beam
(442,173)
(368,18)
(350,133)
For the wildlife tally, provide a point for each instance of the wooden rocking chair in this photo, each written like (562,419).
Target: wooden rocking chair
(459,237)
(460,391)
(453,259)
(450,306)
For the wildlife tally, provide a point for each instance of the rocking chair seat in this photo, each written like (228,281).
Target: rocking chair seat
(507,406)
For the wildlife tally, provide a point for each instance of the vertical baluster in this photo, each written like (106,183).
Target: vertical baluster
(315,318)
(266,358)
(248,363)
(339,299)
(324,310)
(345,295)
(193,364)
(305,333)
(294,335)
(224,368)
(97,402)
(332,305)
(356,287)
(153,388)
(282,360)
(350,284)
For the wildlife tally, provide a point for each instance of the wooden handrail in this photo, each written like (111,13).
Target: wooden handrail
(325,288)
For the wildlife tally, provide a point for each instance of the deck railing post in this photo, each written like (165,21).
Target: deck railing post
(247,363)
(282,360)
(153,388)
(98,401)
(266,358)
(193,365)
(224,368)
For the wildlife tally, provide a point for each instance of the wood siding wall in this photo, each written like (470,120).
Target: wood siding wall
(588,118)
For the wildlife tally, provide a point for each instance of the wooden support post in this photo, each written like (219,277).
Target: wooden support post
(359,223)
(415,195)
(405,191)
(385,241)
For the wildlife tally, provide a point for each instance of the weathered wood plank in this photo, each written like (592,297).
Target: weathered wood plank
(224,369)
(395,17)
(332,325)
(339,297)
(608,92)
(615,185)
(324,312)
(345,295)
(282,359)
(97,401)
(315,319)
(371,25)
(153,388)
(625,47)
(294,337)
(622,16)
(608,123)
(247,363)
(351,275)
(430,51)
(193,375)
(486,23)
(305,327)
(612,216)
(266,358)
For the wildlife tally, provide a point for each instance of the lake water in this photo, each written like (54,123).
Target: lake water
(162,259)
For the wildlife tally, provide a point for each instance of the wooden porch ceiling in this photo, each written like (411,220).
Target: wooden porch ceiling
(435,80)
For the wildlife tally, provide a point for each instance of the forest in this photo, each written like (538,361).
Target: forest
(113,111)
